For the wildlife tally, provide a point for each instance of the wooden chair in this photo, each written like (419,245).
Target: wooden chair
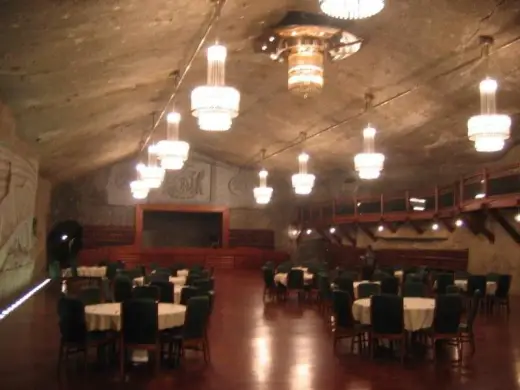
(366,290)
(344,324)
(166,291)
(147,292)
(501,297)
(187,293)
(270,290)
(139,329)
(295,283)
(122,288)
(387,321)
(466,329)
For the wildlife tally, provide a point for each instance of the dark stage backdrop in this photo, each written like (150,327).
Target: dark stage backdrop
(163,229)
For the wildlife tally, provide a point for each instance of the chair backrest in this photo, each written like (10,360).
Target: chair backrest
(387,314)
(492,277)
(324,286)
(111,271)
(146,292)
(452,289)
(192,278)
(448,311)
(122,289)
(503,286)
(390,285)
(196,268)
(353,275)
(477,282)
(140,322)
(284,267)
(473,311)
(90,295)
(188,292)
(204,285)
(444,280)
(342,307)
(159,277)
(365,290)
(345,284)
(295,279)
(379,275)
(73,328)
(166,291)
(366,272)
(414,289)
(413,278)
(462,275)
(196,320)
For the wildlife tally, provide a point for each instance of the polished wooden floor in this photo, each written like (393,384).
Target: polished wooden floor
(258,346)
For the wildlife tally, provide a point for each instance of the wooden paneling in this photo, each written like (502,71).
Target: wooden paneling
(252,238)
(99,236)
(241,258)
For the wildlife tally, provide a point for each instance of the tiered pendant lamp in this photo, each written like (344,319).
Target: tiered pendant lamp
(351,9)
(489,130)
(303,182)
(151,174)
(215,104)
(171,152)
(262,193)
(139,188)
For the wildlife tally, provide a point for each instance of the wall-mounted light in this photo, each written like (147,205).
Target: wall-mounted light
(517,217)
(459,222)
(435,226)
(332,230)
(64,237)
(308,231)
(480,196)
(380,228)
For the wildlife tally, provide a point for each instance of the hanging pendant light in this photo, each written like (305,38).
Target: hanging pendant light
(138,187)
(369,164)
(351,9)
(215,104)
(263,193)
(171,152)
(489,130)
(302,181)
(151,174)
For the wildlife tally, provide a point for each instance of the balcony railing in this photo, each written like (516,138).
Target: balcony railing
(491,188)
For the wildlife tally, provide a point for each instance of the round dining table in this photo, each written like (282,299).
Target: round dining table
(86,272)
(176,280)
(107,316)
(183,272)
(357,283)
(281,278)
(418,312)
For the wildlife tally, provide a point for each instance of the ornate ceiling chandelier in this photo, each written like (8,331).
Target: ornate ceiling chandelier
(305,39)
(303,182)
(151,174)
(369,164)
(139,188)
(171,152)
(262,193)
(351,9)
(489,130)
(215,104)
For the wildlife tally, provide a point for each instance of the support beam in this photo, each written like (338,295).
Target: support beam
(390,226)
(479,222)
(343,229)
(513,233)
(367,231)
(448,224)
(416,227)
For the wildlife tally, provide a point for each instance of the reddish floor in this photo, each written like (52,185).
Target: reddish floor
(257,346)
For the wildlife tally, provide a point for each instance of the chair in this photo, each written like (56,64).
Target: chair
(446,320)
(192,278)
(73,329)
(413,278)
(466,329)
(324,294)
(352,275)
(366,272)
(346,284)
(270,289)
(139,329)
(492,277)
(122,289)
(159,277)
(414,289)
(90,295)
(390,285)
(146,292)
(194,331)
(196,268)
(344,324)
(295,282)
(284,268)
(479,282)
(111,271)
(444,280)
(387,320)
(187,293)
(462,275)
(166,291)
(379,275)
(452,289)
(501,297)
(366,290)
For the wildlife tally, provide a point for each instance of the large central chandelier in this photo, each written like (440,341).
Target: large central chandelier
(303,182)
(352,9)
(489,130)
(171,152)
(369,164)
(262,193)
(151,174)
(215,104)
(304,40)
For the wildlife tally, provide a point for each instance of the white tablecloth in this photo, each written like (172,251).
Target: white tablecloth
(183,272)
(282,278)
(491,287)
(86,272)
(176,280)
(356,285)
(107,316)
(418,312)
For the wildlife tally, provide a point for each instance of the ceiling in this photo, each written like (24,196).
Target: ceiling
(84,77)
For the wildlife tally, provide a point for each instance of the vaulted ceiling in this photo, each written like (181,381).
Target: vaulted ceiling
(84,78)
